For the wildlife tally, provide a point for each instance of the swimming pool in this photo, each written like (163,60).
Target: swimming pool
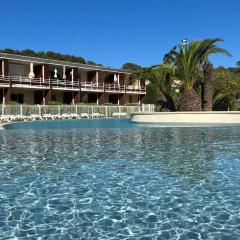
(110,179)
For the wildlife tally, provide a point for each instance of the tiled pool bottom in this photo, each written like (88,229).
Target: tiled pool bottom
(128,183)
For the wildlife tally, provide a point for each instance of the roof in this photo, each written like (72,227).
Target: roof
(39,60)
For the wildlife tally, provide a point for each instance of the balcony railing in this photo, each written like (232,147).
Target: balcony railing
(26,82)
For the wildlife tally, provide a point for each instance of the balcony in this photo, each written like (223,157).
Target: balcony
(59,84)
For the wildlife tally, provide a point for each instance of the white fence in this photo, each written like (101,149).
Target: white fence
(107,111)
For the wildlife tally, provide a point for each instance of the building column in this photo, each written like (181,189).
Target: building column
(76,97)
(6,96)
(101,98)
(97,78)
(45,74)
(47,96)
(123,99)
(72,75)
(118,79)
(64,73)
(4,68)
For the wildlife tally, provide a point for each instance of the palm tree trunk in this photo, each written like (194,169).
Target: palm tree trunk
(207,87)
(189,101)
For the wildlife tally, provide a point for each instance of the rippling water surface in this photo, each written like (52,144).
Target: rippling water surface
(119,181)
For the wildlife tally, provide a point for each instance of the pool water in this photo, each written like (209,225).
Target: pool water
(110,179)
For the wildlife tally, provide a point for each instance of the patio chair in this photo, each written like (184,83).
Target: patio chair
(84,115)
(35,117)
(8,118)
(119,115)
(74,116)
(48,117)
(95,115)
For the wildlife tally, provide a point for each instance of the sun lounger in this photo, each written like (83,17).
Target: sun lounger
(48,117)
(13,118)
(8,118)
(84,115)
(74,116)
(95,115)
(57,116)
(21,118)
(65,116)
(119,115)
(35,117)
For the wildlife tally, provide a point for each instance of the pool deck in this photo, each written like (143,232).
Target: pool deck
(229,117)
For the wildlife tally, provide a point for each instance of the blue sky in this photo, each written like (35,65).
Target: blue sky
(114,32)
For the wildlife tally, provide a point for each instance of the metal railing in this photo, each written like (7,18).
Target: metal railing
(107,111)
(54,83)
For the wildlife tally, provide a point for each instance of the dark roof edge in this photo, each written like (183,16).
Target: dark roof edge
(58,62)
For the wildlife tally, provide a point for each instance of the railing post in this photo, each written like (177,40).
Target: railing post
(119,111)
(39,110)
(106,111)
(21,110)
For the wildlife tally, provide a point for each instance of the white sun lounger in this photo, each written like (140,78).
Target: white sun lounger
(13,118)
(119,115)
(8,118)
(65,116)
(48,117)
(74,116)
(21,118)
(35,117)
(57,116)
(95,115)
(84,115)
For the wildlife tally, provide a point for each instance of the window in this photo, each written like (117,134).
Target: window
(17,98)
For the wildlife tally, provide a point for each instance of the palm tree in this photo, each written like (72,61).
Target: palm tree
(189,63)
(207,87)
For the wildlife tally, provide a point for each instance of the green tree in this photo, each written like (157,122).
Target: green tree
(48,55)
(189,63)
(226,89)
(131,66)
